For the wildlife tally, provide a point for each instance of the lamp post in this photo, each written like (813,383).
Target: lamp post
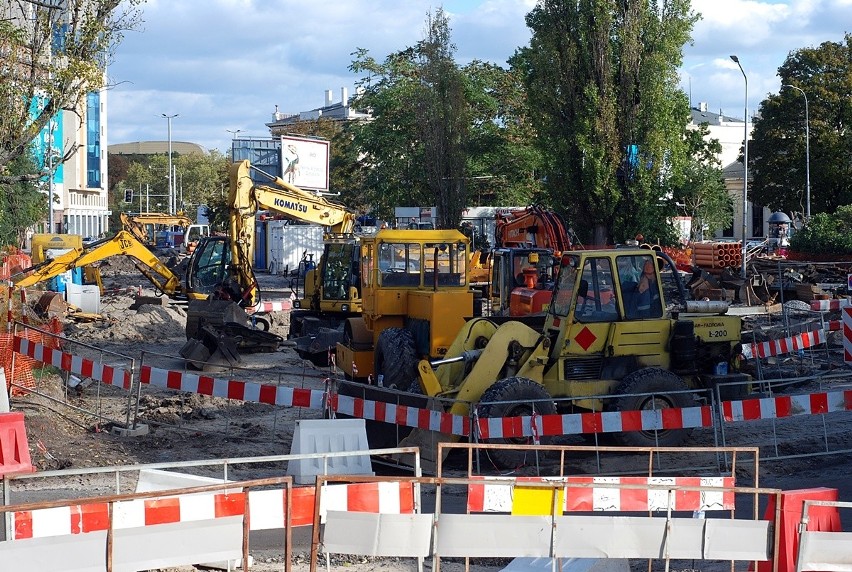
(807,153)
(745,167)
(171,182)
(234,132)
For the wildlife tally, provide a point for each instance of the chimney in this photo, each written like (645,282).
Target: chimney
(328,97)
(344,96)
(702,106)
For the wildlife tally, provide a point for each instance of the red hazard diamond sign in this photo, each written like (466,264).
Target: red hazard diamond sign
(585,338)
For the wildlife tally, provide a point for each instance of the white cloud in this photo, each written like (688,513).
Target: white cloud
(225,64)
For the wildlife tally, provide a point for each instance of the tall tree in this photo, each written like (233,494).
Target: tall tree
(486,134)
(442,121)
(603,94)
(54,53)
(777,152)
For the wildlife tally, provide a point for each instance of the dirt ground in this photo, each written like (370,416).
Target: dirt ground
(69,427)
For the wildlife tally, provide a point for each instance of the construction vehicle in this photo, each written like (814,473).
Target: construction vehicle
(415,297)
(216,329)
(331,289)
(528,243)
(123,243)
(609,331)
(161,230)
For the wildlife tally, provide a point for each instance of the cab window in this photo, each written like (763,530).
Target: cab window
(596,300)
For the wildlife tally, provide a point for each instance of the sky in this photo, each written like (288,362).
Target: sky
(224,65)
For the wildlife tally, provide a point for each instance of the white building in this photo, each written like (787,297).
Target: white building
(730,131)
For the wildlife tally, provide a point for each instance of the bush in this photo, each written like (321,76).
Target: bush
(826,233)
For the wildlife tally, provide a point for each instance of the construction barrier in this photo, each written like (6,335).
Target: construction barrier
(822,519)
(14,449)
(823,549)
(546,531)
(472,427)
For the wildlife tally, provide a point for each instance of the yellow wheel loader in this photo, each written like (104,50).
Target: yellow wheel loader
(609,331)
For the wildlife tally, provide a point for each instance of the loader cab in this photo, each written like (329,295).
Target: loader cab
(600,296)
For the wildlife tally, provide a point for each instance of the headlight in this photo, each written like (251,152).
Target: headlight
(344,307)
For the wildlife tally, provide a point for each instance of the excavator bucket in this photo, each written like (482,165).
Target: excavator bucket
(755,291)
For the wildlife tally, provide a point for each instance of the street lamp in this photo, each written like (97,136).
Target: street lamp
(807,153)
(234,132)
(745,167)
(171,195)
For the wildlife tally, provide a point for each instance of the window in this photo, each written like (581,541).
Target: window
(596,296)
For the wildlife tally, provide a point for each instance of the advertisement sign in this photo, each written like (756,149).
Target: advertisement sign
(304,162)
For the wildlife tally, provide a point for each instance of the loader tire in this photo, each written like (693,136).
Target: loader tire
(515,397)
(663,384)
(395,359)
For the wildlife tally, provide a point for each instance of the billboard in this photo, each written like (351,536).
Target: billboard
(304,162)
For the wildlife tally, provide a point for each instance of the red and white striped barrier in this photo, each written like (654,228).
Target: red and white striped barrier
(73,364)
(267,509)
(829,305)
(232,389)
(271,306)
(527,426)
(847,335)
(499,494)
(785,345)
(787,406)
(603,422)
(401,415)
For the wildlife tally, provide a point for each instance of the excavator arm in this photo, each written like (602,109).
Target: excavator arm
(532,227)
(123,243)
(246,199)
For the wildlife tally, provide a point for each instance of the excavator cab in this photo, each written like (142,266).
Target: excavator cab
(522,280)
(208,265)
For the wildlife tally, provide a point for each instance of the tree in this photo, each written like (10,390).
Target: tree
(777,152)
(22,204)
(699,186)
(202,179)
(603,95)
(442,121)
(56,52)
(480,127)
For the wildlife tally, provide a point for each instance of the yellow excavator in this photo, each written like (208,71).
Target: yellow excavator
(227,333)
(123,243)
(331,290)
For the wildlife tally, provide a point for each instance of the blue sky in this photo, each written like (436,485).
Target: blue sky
(225,64)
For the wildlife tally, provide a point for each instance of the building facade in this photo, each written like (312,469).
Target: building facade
(730,131)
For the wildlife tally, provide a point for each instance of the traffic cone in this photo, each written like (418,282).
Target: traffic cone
(4,392)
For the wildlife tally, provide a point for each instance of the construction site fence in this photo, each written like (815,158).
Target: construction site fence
(716,413)
(823,550)
(673,519)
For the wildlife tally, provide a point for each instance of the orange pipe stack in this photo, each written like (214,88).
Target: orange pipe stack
(714,256)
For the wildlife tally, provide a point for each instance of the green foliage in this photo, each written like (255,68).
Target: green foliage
(60,51)
(442,113)
(699,186)
(826,233)
(601,77)
(483,131)
(777,151)
(21,203)
(201,179)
